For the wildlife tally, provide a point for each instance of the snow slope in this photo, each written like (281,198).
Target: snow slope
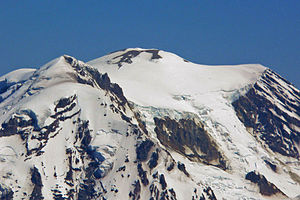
(157,82)
(18,75)
(154,127)
(68,133)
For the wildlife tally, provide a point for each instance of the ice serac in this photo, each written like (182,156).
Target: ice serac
(148,124)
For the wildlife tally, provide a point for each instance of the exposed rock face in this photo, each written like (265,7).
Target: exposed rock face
(271,165)
(135,195)
(16,123)
(143,149)
(265,187)
(6,193)
(187,133)
(90,76)
(37,182)
(209,193)
(153,160)
(142,174)
(181,167)
(162,181)
(271,112)
(128,55)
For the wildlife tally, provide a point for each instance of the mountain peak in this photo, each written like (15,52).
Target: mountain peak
(146,124)
(155,77)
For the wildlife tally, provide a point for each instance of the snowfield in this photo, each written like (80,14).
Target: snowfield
(156,82)
(156,126)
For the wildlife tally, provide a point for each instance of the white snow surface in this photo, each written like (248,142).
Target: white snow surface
(18,75)
(155,82)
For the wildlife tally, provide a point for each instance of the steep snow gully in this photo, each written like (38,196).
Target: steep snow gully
(148,124)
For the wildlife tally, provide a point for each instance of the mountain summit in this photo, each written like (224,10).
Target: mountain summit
(148,124)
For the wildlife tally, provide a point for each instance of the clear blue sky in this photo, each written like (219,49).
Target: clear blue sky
(32,32)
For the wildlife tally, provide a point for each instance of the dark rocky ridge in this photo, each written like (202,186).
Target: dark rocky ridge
(267,119)
(181,167)
(265,187)
(37,182)
(128,55)
(91,76)
(6,193)
(142,150)
(153,160)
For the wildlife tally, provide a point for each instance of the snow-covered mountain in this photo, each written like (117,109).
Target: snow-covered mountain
(148,124)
